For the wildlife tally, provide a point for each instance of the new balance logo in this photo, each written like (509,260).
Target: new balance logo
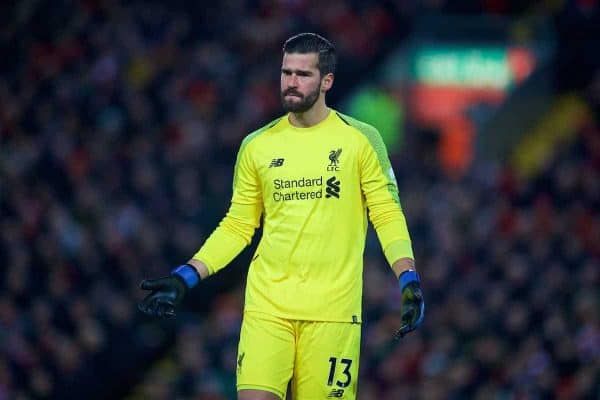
(277,162)
(333,188)
(337,393)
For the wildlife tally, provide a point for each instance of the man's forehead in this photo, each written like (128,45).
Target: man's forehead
(303,61)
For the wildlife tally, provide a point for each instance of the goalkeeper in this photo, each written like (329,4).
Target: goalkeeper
(311,175)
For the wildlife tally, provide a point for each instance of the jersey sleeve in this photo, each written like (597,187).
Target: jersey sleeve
(380,190)
(236,229)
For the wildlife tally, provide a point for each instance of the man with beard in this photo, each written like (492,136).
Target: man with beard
(311,175)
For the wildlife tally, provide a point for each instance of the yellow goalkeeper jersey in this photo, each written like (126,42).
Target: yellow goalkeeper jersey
(312,187)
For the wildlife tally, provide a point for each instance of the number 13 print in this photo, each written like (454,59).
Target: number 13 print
(332,366)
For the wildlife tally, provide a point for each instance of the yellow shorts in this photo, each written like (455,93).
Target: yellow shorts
(320,358)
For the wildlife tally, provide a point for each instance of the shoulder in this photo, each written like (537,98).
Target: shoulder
(251,137)
(368,132)
(363,127)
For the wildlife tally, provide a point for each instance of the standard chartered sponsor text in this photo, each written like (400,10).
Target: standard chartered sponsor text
(312,189)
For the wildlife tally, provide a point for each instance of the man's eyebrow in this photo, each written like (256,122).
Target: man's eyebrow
(301,72)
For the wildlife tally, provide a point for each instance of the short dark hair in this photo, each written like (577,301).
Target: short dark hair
(312,43)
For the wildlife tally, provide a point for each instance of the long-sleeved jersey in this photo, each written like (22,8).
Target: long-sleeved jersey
(312,186)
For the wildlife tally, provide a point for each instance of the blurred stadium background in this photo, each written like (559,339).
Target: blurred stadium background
(119,126)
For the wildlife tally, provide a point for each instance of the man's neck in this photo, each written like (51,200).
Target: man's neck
(316,114)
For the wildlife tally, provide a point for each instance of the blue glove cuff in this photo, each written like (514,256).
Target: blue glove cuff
(407,277)
(188,273)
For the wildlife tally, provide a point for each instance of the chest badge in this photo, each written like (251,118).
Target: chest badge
(334,160)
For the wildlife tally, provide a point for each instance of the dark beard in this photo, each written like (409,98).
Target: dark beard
(305,103)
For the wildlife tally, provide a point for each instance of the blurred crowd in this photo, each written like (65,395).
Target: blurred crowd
(119,126)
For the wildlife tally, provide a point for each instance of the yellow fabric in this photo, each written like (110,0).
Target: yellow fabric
(308,264)
(320,358)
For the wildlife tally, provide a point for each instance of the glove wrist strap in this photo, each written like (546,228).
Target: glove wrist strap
(188,273)
(407,277)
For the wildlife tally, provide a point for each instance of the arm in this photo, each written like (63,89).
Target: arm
(232,235)
(381,194)
(235,231)
(402,265)
(200,267)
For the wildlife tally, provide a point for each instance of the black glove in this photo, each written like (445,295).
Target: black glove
(168,291)
(412,306)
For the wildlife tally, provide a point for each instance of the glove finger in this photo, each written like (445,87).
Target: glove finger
(144,305)
(147,308)
(152,284)
(170,312)
(400,333)
(404,329)
(159,310)
(164,308)
(167,309)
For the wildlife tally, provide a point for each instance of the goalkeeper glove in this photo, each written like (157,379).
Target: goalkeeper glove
(167,292)
(412,306)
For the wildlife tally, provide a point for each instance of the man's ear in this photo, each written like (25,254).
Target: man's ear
(326,82)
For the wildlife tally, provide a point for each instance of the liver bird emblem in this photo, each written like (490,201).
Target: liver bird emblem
(334,156)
